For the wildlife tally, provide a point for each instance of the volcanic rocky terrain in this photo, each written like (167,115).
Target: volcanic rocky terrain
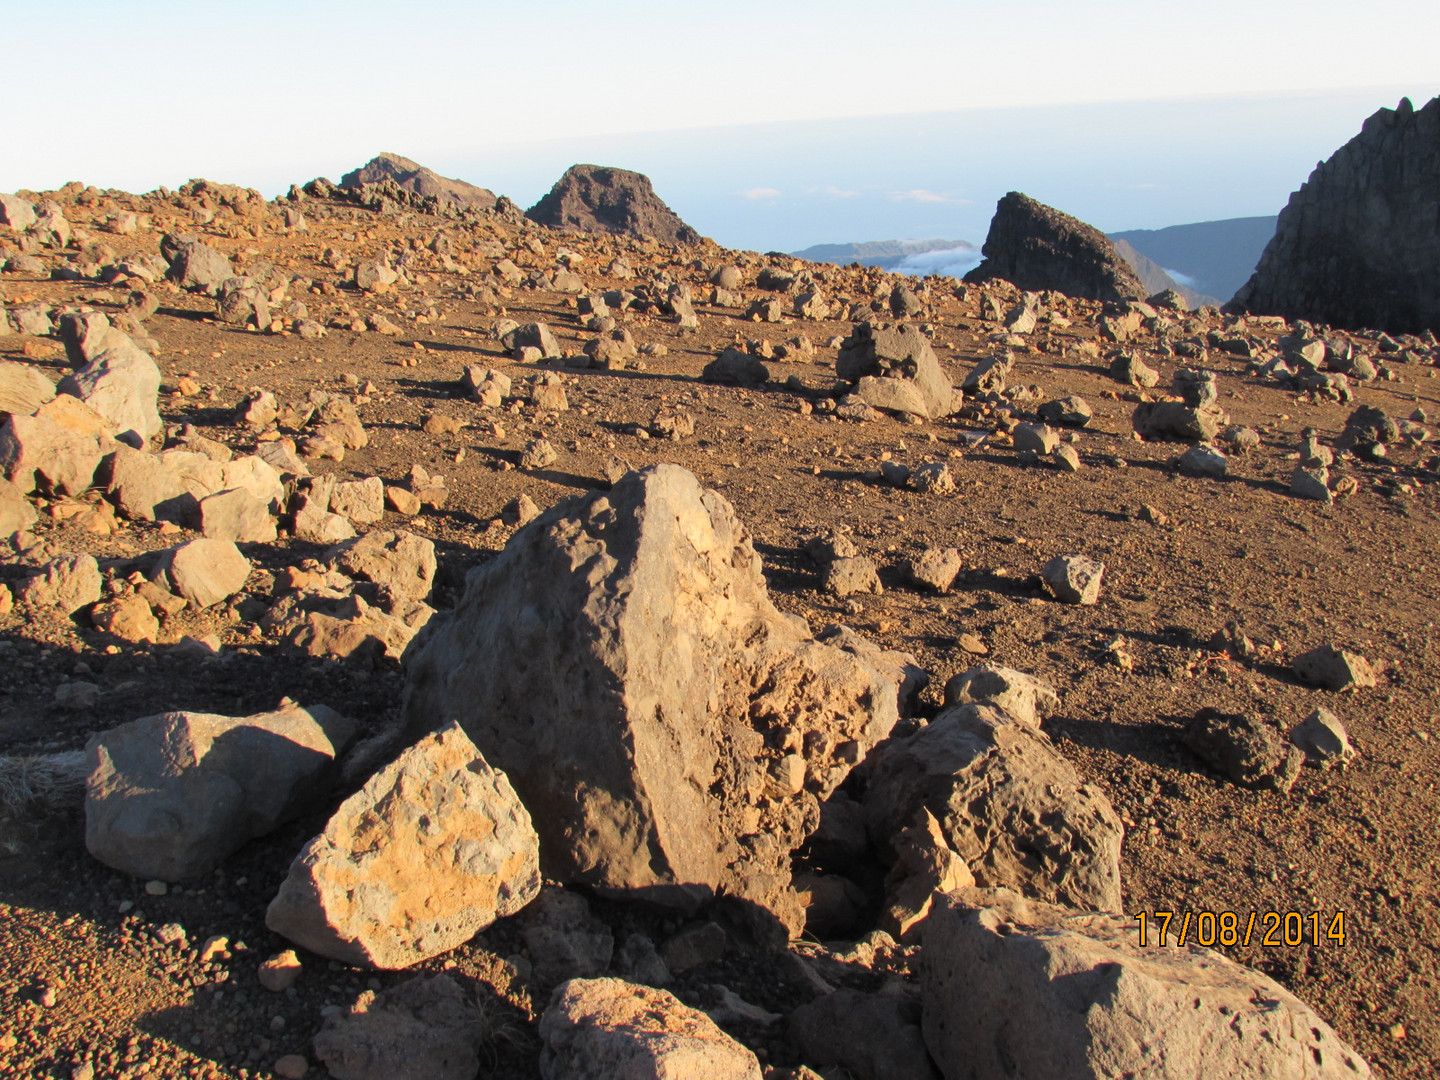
(436,644)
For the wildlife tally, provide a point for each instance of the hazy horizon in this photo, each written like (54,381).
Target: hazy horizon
(1118,166)
(771,125)
(789,186)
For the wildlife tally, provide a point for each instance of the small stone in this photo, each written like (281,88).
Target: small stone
(402,501)
(1074,579)
(936,568)
(1311,483)
(292,1066)
(205,571)
(1334,669)
(846,577)
(1203,460)
(280,972)
(1036,438)
(972,644)
(933,478)
(694,946)
(156,888)
(1323,739)
(538,455)
(129,618)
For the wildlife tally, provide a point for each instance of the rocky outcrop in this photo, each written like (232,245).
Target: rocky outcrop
(1037,247)
(1356,246)
(417,179)
(1013,988)
(598,199)
(669,730)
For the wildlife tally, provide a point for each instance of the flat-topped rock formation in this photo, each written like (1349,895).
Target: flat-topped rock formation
(599,199)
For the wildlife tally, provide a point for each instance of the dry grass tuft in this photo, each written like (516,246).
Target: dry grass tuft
(41,781)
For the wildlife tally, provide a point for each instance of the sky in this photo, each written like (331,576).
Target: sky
(765,123)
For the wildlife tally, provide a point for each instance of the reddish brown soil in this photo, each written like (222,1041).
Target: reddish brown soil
(1360,573)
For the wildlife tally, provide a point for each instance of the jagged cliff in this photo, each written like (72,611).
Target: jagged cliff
(1038,247)
(1358,246)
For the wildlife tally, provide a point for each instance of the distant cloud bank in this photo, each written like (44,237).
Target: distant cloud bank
(922,195)
(953,262)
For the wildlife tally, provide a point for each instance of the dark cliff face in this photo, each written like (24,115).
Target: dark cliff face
(593,198)
(413,177)
(1358,246)
(1037,247)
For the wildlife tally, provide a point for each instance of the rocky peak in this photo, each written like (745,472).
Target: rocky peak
(596,198)
(1357,245)
(414,177)
(1038,247)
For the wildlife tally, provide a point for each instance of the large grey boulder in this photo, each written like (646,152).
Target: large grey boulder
(16,212)
(65,584)
(57,450)
(1356,246)
(23,389)
(669,729)
(194,265)
(16,513)
(171,796)
(434,848)
(1176,421)
(205,571)
(119,381)
(1007,802)
(895,354)
(610,1028)
(1014,988)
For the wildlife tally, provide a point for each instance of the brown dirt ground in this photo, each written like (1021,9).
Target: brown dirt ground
(1360,573)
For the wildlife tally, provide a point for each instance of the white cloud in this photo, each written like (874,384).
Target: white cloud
(921,195)
(759,194)
(952,262)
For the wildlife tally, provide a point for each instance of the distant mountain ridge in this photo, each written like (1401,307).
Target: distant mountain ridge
(1216,256)
(1153,276)
(885,254)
